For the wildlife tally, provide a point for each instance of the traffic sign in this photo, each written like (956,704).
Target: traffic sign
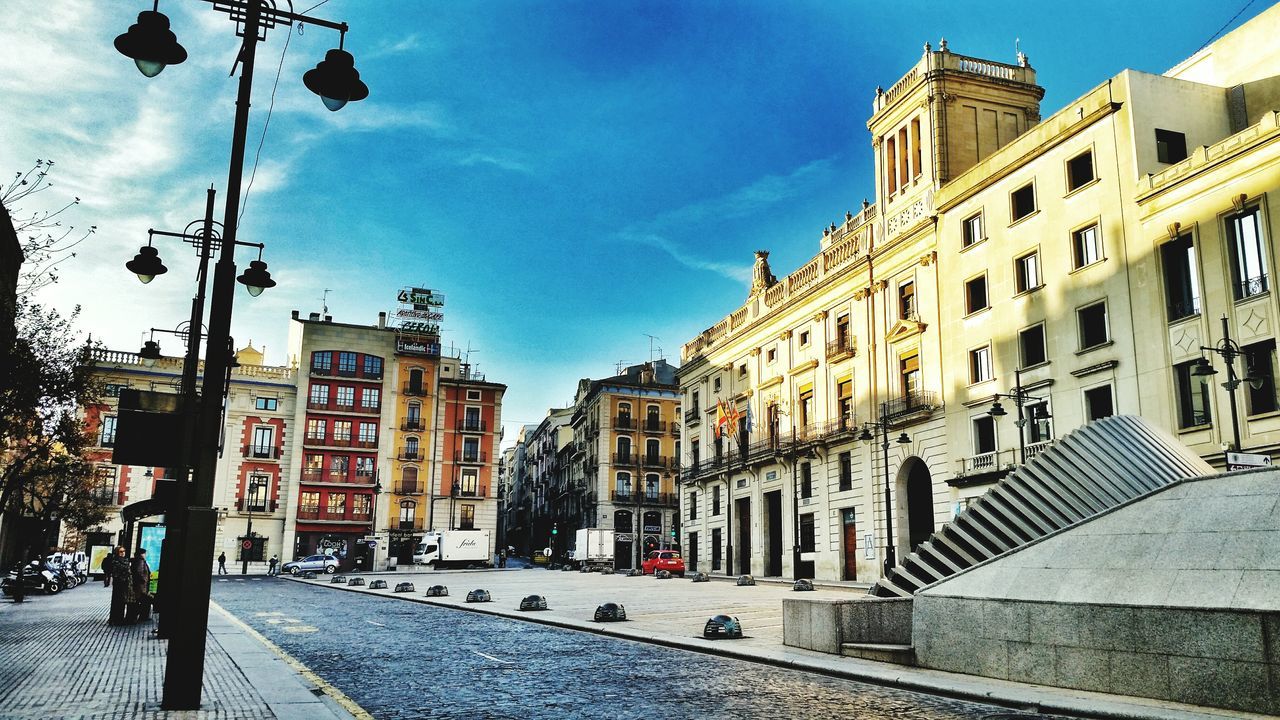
(246,544)
(1244,461)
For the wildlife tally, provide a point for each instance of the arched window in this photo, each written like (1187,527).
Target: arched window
(415,412)
(652,450)
(411,448)
(409,480)
(653,418)
(651,486)
(408,508)
(622,488)
(624,449)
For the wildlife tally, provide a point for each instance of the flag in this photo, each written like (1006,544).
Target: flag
(731,419)
(750,419)
(720,417)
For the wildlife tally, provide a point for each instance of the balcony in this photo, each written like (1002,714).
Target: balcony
(654,426)
(414,524)
(308,513)
(410,453)
(645,499)
(413,425)
(624,422)
(460,490)
(409,487)
(330,477)
(654,461)
(415,390)
(463,456)
(335,407)
(910,407)
(262,452)
(243,505)
(841,349)
(625,459)
(473,425)
(692,417)
(1035,448)
(675,430)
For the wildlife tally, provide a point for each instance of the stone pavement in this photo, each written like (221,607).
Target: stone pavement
(60,659)
(672,612)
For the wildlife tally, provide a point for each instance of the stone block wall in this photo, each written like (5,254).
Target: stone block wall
(825,625)
(1214,657)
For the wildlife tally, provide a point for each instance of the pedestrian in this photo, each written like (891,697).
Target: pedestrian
(271,565)
(502,558)
(222,563)
(122,586)
(105,567)
(140,578)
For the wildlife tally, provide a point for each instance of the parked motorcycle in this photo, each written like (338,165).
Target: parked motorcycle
(33,577)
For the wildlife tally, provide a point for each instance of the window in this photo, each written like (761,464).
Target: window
(909,373)
(651,486)
(372,367)
(364,468)
(984,435)
(1080,170)
(316,428)
(1038,419)
(891,164)
(1093,325)
(321,361)
(807,542)
(1248,257)
(309,501)
(806,480)
(916,167)
(319,395)
(1026,272)
(1022,202)
(842,332)
(742,370)
(622,486)
(975,295)
(804,338)
(1181,284)
(408,509)
(1098,403)
(980,365)
(470,482)
(652,450)
(846,470)
(1086,247)
(1031,346)
(263,441)
(339,467)
(369,433)
(770,355)
(474,395)
(907,300)
(315,462)
(715,548)
(1171,146)
(471,421)
(342,430)
(347,363)
(256,494)
(370,398)
(715,500)
(693,506)
(360,505)
(336,504)
(972,229)
(1193,396)
(415,382)
(804,406)
(104,485)
(346,397)
(264,403)
(470,449)
(107,433)
(1260,368)
(844,403)
(113,389)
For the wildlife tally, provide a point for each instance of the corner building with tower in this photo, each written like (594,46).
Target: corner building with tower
(1015,278)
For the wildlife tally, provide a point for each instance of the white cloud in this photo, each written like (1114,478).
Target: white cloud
(497,160)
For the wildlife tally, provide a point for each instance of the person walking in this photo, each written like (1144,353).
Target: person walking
(121,586)
(222,563)
(271,565)
(140,578)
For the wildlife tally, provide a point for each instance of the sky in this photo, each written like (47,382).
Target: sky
(574,176)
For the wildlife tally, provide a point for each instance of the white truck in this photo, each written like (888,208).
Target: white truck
(593,548)
(455,548)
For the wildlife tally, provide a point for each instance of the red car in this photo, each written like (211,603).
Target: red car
(663,560)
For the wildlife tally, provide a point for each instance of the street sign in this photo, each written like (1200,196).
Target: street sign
(246,544)
(1244,461)
(652,528)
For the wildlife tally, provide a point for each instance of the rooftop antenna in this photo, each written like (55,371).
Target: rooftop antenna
(324,301)
(467,358)
(651,339)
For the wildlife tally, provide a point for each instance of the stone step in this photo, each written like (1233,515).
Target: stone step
(880,652)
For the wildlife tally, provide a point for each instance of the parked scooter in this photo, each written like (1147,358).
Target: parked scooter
(33,577)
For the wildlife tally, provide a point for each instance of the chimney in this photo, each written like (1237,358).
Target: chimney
(295,314)
(314,317)
(382,321)
(328,318)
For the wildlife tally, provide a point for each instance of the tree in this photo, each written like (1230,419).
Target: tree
(45,241)
(46,377)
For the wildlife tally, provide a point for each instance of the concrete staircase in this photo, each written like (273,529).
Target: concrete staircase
(1096,467)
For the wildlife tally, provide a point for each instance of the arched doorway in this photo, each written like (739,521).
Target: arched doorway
(919,494)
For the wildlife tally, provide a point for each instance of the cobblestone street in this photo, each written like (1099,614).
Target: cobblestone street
(408,660)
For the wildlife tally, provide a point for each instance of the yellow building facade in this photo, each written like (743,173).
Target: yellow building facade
(1067,269)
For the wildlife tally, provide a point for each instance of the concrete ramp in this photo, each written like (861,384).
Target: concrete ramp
(1092,469)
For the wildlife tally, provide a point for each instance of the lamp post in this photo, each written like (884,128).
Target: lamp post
(1020,397)
(1229,350)
(882,426)
(152,46)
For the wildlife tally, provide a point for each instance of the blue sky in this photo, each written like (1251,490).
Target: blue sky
(572,175)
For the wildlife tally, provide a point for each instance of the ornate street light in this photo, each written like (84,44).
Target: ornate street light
(146,264)
(1229,350)
(1019,396)
(150,43)
(336,80)
(882,425)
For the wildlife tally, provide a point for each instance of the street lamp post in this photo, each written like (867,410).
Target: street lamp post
(153,46)
(882,426)
(1019,397)
(1229,350)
